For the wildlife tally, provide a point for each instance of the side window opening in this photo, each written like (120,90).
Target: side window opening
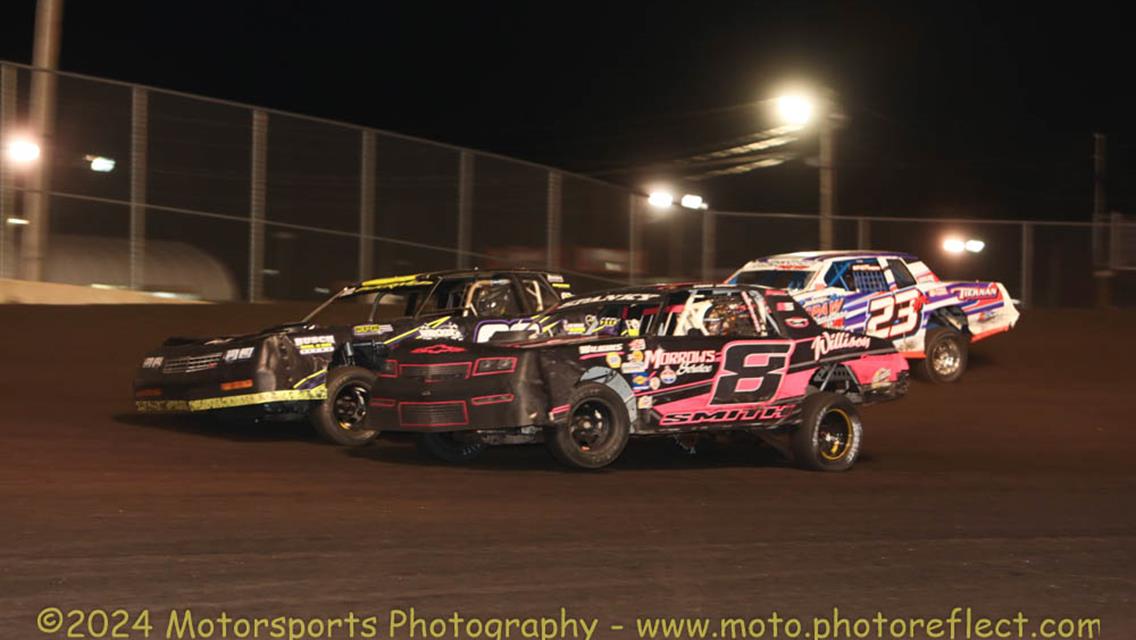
(864,275)
(492,298)
(901,273)
(539,295)
(712,313)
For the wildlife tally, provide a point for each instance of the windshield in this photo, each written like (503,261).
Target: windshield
(776,278)
(369,305)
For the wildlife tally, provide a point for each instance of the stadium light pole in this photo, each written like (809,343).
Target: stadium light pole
(801,110)
(41,110)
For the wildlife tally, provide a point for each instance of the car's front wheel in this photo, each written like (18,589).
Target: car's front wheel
(945,356)
(830,435)
(597,431)
(341,418)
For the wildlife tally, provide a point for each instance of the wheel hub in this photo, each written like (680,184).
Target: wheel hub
(945,358)
(350,406)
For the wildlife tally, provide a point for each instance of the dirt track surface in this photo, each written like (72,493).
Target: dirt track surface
(1012,490)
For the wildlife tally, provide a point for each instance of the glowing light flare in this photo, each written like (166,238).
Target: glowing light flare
(660,199)
(100,164)
(957,245)
(22,151)
(691,201)
(796,110)
(954,245)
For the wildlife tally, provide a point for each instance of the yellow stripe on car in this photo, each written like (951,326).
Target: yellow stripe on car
(226,402)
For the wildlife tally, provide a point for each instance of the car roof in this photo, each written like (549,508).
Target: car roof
(430,277)
(665,288)
(821,256)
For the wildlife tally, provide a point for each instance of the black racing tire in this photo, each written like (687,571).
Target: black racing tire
(945,356)
(444,446)
(830,435)
(337,419)
(597,431)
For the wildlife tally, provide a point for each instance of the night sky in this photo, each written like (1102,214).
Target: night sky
(955,109)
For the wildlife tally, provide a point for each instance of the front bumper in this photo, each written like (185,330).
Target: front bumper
(181,405)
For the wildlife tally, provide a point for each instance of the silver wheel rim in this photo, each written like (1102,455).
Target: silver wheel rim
(350,407)
(946,357)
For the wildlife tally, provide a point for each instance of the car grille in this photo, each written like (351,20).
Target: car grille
(190,364)
(432,414)
(436,372)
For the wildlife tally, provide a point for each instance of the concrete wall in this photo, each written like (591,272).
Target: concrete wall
(25,292)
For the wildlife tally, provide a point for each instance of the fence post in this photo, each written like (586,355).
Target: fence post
(139,141)
(465,208)
(1026,295)
(367,205)
(633,240)
(257,196)
(709,245)
(555,210)
(863,233)
(7,195)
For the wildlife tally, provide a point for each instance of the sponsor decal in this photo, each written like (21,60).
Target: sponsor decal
(880,377)
(750,414)
(828,342)
(447,331)
(640,382)
(153,362)
(586,349)
(371,329)
(555,277)
(639,344)
(308,345)
(636,356)
(633,367)
(611,297)
(784,306)
(861,266)
(435,349)
(692,368)
(232,355)
(668,376)
(575,328)
(796,323)
(614,360)
(661,358)
(646,402)
(976,292)
(821,310)
(655,384)
(632,327)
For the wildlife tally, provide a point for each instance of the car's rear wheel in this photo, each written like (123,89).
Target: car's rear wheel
(830,435)
(451,447)
(945,356)
(341,418)
(597,431)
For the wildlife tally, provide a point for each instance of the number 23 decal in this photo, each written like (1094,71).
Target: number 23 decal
(894,315)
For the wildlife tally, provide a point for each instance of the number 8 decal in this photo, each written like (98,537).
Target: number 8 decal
(751,372)
(894,315)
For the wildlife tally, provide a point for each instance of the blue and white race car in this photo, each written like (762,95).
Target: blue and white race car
(891,295)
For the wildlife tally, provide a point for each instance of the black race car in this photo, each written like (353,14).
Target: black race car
(283,372)
(663,360)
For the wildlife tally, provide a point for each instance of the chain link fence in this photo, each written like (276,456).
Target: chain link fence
(222,201)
